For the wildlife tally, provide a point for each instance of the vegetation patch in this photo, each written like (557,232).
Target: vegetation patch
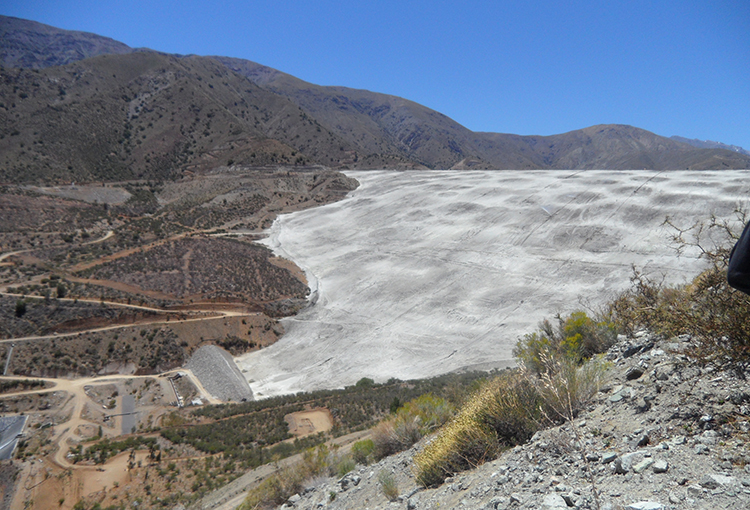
(716,316)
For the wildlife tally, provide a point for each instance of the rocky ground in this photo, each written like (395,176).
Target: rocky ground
(663,433)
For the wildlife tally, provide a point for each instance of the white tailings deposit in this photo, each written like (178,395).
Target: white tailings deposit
(420,273)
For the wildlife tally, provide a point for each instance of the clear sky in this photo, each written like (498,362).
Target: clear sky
(526,67)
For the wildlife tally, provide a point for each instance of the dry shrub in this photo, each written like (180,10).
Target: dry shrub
(411,422)
(505,411)
(288,481)
(568,387)
(275,490)
(716,316)
(388,485)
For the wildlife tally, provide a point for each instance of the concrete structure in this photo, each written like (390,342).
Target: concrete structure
(11,428)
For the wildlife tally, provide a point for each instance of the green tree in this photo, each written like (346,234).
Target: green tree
(20,308)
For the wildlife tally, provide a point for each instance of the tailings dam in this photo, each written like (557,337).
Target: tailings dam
(420,273)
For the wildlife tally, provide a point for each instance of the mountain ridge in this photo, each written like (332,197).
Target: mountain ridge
(275,117)
(709,144)
(36,45)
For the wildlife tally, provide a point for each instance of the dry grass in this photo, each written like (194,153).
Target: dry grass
(505,412)
(288,481)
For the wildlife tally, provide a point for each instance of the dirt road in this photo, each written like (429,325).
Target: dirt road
(233,494)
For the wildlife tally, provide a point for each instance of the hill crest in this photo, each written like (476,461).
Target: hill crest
(286,122)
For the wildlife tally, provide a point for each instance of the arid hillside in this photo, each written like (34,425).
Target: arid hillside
(152,256)
(147,115)
(122,115)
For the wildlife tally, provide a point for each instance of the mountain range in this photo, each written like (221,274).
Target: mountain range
(78,106)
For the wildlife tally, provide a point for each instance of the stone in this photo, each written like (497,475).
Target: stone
(554,501)
(677,441)
(516,498)
(608,457)
(674,498)
(349,480)
(620,467)
(713,481)
(701,449)
(411,504)
(660,466)
(295,498)
(643,440)
(624,463)
(592,457)
(695,491)
(708,482)
(709,437)
(645,505)
(643,465)
(634,373)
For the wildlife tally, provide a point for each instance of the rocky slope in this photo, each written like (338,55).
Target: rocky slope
(663,433)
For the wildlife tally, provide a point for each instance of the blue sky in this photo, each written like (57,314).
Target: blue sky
(531,67)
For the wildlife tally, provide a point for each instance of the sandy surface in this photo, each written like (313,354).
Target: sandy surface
(87,193)
(421,273)
(304,423)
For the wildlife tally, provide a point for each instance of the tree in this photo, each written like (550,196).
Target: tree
(20,308)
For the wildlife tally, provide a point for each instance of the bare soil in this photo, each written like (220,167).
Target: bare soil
(304,423)
(113,289)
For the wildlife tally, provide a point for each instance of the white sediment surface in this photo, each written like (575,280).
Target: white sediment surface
(421,273)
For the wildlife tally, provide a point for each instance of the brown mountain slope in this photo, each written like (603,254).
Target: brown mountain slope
(148,115)
(214,116)
(374,123)
(386,124)
(34,45)
(618,147)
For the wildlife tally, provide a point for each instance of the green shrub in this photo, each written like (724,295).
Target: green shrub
(388,485)
(20,308)
(362,451)
(576,338)
(344,466)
